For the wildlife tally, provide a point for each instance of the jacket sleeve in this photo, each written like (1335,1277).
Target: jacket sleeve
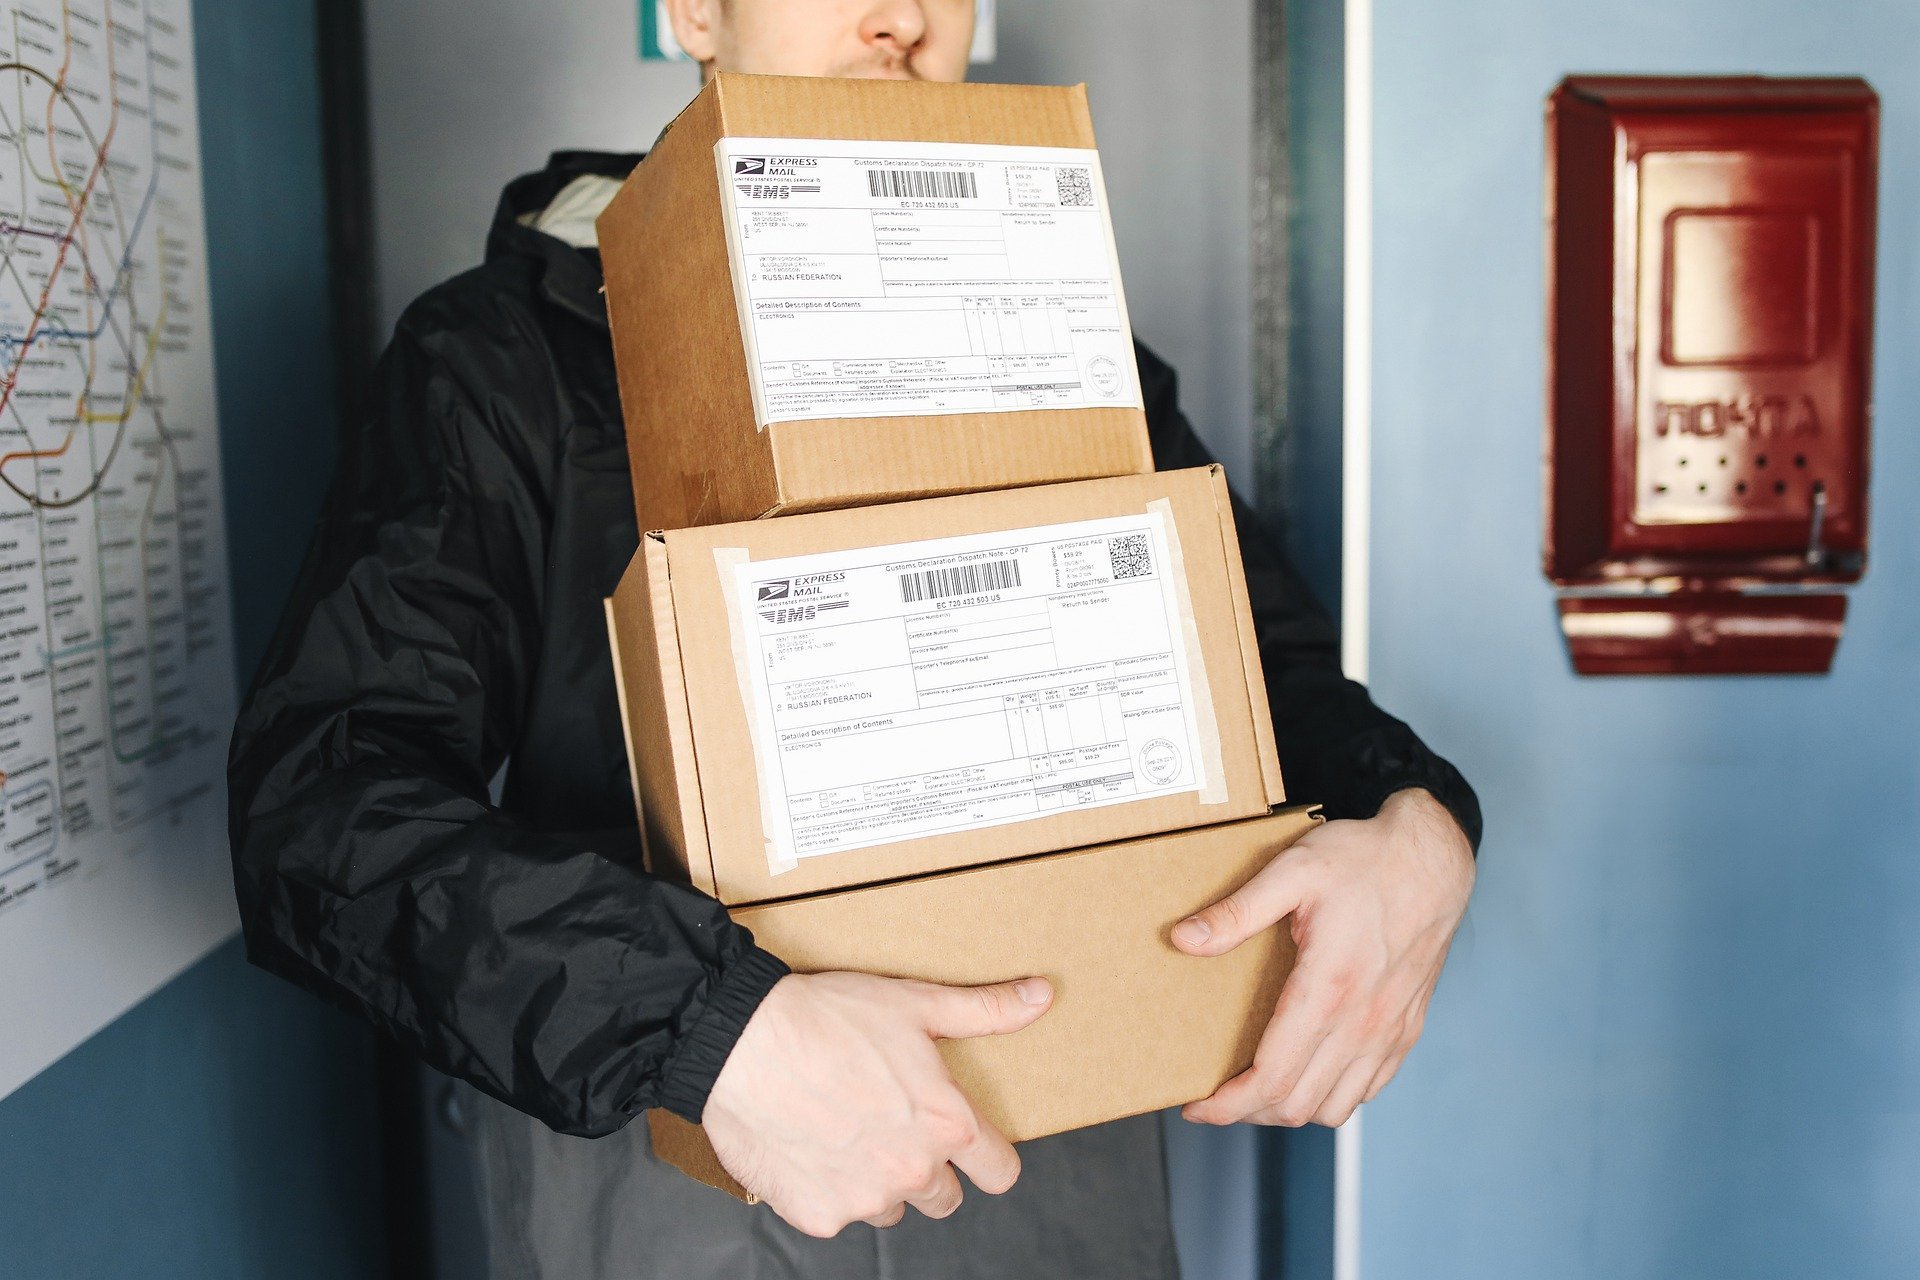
(1337,749)
(543,966)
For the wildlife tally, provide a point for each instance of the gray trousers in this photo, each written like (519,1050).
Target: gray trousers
(1091,1204)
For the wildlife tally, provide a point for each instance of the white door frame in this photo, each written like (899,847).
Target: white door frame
(1356,476)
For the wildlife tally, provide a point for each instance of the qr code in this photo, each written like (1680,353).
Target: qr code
(1130,555)
(1076,187)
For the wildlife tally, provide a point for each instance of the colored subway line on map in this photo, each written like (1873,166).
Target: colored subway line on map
(60,333)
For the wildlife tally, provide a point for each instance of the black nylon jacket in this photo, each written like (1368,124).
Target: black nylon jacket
(448,620)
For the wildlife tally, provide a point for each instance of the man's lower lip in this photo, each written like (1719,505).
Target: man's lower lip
(880,73)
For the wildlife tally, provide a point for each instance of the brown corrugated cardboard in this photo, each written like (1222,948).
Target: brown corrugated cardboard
(1135,1024)
(686,669)
(698,452)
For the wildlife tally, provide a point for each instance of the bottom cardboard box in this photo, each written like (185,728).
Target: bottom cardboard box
(1136,1025)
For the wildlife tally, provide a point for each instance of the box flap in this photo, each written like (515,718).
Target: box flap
(629,719)
(653,704)
(685,1147)
(1018,115)
(824,463)
(1256,673)
(662,237)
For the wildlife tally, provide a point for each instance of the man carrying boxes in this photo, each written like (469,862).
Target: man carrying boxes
(979,775)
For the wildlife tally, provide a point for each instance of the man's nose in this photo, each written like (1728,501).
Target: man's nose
(900,22)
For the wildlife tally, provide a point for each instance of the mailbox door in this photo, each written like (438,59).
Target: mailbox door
(1749,256)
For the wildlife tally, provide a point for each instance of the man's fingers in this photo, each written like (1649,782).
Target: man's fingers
(1341,1075)
(1231,1103)
(1303,1018)
(989,1161)
(1341,1070)
(1316,1081)
(1409,1036)
(941,1196)
(1294,1113)
(959,1013)
(1259,904)
(1258,1088)
(889,1219)
(1349,1093)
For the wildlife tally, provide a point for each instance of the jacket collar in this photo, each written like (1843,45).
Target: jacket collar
(570,278)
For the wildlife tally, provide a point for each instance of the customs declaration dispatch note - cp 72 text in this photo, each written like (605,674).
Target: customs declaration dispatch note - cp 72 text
(888,278)
(967,682)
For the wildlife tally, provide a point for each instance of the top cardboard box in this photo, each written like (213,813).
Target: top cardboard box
(830,293)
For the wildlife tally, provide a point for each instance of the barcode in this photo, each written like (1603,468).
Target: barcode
(1075,187)
(922,184)
(959,580)
(1130,555)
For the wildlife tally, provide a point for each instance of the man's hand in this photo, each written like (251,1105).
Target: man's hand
(835,1107)
(1374,905)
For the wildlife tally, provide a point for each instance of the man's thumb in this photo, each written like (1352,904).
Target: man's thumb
(959,1013)
(1259,904)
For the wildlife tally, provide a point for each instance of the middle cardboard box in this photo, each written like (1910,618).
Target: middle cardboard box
(849,697)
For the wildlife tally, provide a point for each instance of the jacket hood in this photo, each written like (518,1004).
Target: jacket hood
(571,278)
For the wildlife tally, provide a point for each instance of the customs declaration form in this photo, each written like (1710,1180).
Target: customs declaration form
(959,683)
(890,278)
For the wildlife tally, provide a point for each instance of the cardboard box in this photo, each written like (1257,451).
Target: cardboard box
(887,304)
(1135,1026)
(851,697)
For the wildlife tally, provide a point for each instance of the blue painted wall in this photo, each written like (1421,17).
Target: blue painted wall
(1681,1032)
(222,1130)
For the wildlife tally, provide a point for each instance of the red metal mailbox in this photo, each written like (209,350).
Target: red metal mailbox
(1710,245)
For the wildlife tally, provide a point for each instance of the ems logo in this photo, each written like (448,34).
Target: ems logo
(775,590)
(750,165)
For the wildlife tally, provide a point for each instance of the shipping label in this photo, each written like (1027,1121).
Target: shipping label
(887,278)
(968,682)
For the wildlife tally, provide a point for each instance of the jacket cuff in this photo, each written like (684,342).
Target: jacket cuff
(1452,793)
(704,1047)
(1395,760)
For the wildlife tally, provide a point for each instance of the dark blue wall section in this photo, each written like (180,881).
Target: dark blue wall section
(266,232)
(1316,125)
(1297,1164)
(220,1131)
(223,1129)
